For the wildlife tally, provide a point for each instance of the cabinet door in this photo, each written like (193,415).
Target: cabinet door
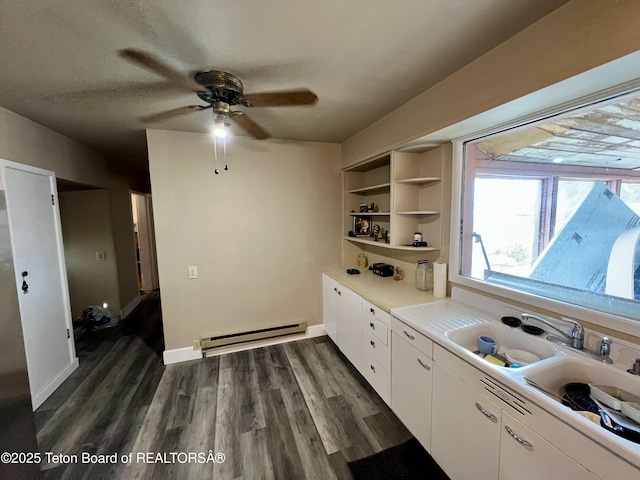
(329,296)
(349,326)
(525,455)
(465,430)
(411,381)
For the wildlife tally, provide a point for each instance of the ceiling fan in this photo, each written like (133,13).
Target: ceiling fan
(220,90)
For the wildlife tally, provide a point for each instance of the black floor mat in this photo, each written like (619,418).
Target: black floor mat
(408,461)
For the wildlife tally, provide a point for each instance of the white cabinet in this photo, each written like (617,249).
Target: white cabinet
(488,431)
(411,380)
(525,455)
(349,329)
(375,349)
(342,315)
(465,428)
(329,299)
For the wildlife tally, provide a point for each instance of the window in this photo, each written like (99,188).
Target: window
(545,206)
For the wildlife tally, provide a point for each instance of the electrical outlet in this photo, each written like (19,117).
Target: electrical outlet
(193,271)
(101,256)
(196,345)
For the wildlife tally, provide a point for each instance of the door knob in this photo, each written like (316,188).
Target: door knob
(25,285)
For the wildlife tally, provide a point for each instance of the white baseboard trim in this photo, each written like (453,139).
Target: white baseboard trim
(178,355)
(188,353)
(130,307)
(39,398)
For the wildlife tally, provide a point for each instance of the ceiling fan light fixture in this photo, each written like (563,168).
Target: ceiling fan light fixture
(220,128)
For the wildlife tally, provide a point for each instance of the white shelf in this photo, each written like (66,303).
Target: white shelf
(366,241)
(419,180)
(383,187)
(419,212)
(370,214)
(418,249)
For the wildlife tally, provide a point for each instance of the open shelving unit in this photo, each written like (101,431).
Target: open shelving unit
(406,186)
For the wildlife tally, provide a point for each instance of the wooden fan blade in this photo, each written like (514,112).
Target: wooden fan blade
(245,122)
(153,63)
(282,99)
(176,112)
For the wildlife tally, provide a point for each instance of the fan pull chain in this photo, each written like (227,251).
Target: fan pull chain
(224,146)
(215,154)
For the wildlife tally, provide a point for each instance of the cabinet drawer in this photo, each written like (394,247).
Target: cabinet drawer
(378,378)
(371,310)
(412,336)
(374,349)
(376,327)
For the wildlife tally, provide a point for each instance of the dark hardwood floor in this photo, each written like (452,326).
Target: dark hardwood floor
(291,411)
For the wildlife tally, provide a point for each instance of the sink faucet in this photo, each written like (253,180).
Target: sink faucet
(575,339)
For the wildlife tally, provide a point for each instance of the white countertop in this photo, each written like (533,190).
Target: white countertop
(436,318)
(385,292)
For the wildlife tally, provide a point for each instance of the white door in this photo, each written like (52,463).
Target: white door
(36,238)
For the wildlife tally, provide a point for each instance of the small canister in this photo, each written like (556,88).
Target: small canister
(363,261)
(424,275)
(417,237)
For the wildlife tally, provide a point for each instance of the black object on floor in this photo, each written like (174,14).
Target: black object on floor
(408,461)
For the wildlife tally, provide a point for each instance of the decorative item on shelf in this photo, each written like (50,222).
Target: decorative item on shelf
(382,269)
(417,240)
(364,207)
(363,261)
(375,231)
(399,274)
(373,208)
(381,235)
(424,275)
(387,237)
(362,226)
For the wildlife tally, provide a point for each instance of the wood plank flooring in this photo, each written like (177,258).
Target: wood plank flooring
(291,411)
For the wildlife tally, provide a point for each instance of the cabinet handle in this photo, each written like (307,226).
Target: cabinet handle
(424,365)
(373,344)
(339,293)
(490,416)
(373,368)
(373,312)
(373,327)
(335,289)
(412,337)
(521,441)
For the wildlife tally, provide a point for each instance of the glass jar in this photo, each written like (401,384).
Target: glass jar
(424,275)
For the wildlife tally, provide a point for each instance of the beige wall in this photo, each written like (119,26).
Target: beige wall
(259,233)
(576,37)
(86,229)
(29,143)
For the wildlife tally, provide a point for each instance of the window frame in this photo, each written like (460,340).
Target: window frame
(461,208)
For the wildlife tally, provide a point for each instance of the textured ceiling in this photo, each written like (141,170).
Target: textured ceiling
(364,58)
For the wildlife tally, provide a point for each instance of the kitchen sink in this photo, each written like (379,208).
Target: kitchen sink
(552,376)
(506,337)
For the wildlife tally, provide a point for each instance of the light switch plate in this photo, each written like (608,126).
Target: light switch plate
(193,271)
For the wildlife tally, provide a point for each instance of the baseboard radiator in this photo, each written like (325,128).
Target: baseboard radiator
(247,336)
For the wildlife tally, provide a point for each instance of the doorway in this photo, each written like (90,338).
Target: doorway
(144,238)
